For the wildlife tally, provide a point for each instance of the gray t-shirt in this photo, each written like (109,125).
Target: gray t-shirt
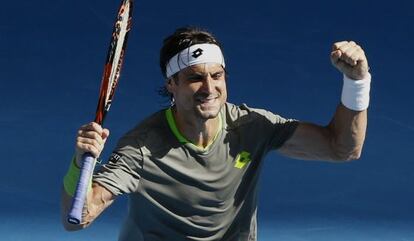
(178,191)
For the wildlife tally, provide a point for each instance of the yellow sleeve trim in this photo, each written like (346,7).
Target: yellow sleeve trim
(70,181)
(173,126)
(242,159)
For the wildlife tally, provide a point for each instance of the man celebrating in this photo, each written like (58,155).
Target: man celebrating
(191,170)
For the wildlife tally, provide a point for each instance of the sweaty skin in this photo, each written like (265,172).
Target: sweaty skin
(344,137)
(200,92)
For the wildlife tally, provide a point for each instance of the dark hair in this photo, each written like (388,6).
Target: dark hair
(181,39)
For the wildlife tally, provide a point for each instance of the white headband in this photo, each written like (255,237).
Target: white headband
(195,54)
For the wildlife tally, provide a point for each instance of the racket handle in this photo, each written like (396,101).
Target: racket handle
(78,201)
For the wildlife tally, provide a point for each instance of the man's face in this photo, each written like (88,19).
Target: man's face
(200,90)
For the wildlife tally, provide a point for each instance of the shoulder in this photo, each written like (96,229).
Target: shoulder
(151,134)
(237,115)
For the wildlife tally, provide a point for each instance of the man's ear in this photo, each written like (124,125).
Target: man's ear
(169,84)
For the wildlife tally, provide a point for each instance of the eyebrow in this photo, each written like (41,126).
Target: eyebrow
(197,73)
(221,71)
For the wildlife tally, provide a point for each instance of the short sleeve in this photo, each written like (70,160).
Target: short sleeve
(121,174)
(280,130)
(269,130)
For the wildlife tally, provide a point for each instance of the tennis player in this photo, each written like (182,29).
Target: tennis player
(191,171)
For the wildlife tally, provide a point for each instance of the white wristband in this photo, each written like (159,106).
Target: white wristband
(355,93)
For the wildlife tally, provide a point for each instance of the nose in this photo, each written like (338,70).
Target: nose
(208,84)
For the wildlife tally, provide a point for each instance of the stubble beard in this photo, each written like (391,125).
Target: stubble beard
(208,112)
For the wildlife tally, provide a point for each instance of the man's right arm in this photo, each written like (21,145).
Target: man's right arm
(90,138)
(98,199)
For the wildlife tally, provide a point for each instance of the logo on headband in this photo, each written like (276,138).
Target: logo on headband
(197,53)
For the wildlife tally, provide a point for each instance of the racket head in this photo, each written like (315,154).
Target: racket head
(114,59)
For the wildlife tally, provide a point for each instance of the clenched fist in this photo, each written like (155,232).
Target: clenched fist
(91,138)
(350,59)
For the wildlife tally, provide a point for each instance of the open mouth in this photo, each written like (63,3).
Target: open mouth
(208,100)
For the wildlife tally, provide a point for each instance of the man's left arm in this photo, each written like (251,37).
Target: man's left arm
(344,137)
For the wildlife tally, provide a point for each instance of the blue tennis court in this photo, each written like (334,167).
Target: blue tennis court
(277,55)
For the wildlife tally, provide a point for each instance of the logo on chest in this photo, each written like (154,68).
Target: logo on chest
(242,159)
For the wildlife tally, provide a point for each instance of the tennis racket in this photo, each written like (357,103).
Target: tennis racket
(111,73)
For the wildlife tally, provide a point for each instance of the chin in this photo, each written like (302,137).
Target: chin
(208,114)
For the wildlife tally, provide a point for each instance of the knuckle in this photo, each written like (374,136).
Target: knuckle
(96,144)
(78,144)
(96,126)
(96,136)
(79,139)
(83,147)
(342,48)
(336,45)
(95,152)
(90,148)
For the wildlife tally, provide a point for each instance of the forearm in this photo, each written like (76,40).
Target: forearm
(90,138)
(97,201)
(347,130)
(349,123)
(65,204)
(87,215)
(344,137)
(70,182)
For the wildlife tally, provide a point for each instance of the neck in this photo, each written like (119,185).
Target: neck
(200,132)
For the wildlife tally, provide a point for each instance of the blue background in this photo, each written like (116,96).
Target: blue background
(277,52)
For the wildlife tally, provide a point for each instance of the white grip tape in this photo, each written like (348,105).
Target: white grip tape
(355,93)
